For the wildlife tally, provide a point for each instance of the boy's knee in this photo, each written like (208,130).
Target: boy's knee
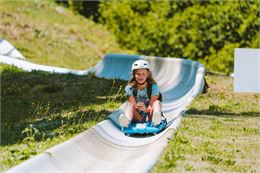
(157,102)
(130,104)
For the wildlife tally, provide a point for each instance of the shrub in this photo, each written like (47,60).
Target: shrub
(206,31)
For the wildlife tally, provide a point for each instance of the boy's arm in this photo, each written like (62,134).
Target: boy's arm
(132,100)
(137,116)
(153,99)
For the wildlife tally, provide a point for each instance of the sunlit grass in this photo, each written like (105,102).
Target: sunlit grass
(46,33)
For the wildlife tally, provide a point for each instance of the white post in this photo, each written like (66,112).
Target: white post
(247,70)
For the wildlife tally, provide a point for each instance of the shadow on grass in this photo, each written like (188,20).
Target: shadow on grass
(51,127)
(50,101)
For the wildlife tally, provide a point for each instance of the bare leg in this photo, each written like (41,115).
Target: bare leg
(127,116)
(137,117)
(129,110)
(157,113)
(157,107)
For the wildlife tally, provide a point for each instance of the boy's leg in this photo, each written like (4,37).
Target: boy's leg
(129,110)
(126,118)
(157,113)
(137,117)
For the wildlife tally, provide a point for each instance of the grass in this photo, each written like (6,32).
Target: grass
(40,110)
(219,133)
(46,33)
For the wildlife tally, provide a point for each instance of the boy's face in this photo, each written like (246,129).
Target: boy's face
(141,75)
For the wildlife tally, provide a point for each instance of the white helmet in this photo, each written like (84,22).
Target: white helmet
(139,64)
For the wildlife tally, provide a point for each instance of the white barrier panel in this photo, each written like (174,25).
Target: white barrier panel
(247,70)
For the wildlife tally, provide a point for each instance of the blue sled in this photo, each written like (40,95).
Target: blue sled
(144,128)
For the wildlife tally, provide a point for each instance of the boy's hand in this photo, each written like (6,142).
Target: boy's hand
(141,106)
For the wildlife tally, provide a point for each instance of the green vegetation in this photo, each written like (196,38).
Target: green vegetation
(46,33)
(206,31)
(219,133)
(40,109)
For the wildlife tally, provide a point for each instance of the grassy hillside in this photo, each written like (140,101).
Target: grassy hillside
(46,33)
